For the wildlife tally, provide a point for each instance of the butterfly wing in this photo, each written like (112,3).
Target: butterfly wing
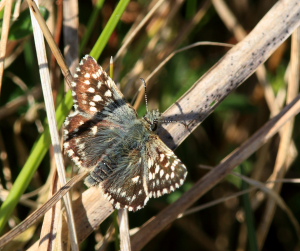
(125,187)
(149,171)
(166,171)
(99,105)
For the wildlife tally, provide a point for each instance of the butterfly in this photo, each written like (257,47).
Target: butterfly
(122,153)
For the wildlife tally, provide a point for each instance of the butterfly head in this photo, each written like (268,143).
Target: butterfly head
(152,118)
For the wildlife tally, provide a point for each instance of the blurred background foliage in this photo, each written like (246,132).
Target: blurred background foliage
(219,227)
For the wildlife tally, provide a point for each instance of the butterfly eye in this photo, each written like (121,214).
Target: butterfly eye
(153,126)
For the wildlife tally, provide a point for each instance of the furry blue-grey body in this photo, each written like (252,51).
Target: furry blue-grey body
(123,155)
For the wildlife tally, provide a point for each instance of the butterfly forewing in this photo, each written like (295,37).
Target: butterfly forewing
(96,100)
(92,89)
(104,135)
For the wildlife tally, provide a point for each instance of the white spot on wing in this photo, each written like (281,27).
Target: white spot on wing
(91,89)
(94,132)
(70,152)
(97,98)
(67,122)
(161,157)
(136,179)
(93,109)
(108,93)
(157,169)
(146,200)
(117,205)
(150,162)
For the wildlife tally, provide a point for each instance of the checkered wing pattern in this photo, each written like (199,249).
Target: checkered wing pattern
(97,101)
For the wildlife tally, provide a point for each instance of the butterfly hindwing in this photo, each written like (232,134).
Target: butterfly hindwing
(166,171)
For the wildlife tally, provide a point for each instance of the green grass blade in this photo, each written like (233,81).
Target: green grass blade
(91,25)
(109,28)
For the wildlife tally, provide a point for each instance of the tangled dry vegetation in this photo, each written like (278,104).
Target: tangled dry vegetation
(227,71)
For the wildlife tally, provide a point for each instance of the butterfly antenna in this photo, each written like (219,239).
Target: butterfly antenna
(146,98)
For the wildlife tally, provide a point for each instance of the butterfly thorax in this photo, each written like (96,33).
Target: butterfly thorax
(152,118)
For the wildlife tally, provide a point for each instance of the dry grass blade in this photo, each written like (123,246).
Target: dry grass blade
(124,230)
(232,24)
(286,143)
(236,66)
(52,220)
(37,214)
(91,210)
(50,109)
(281,166)
(134,32)
(13,105)
(4,37)
(48,36)
(255,185)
